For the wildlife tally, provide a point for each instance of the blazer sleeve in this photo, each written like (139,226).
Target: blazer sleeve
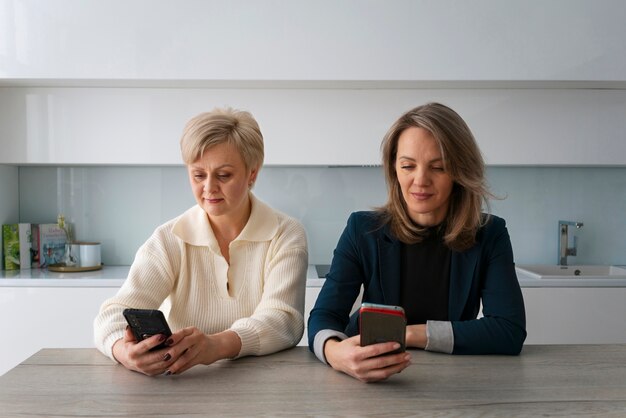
(341,287)
(502,329)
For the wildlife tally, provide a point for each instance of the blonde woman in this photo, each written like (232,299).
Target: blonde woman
(232,269)
(430,249)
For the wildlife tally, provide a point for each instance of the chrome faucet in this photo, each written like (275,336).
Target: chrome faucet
(564,248)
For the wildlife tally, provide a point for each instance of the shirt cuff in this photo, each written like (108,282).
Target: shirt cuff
(440,336)
(320,340)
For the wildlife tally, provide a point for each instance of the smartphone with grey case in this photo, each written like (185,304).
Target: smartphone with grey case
(382,323)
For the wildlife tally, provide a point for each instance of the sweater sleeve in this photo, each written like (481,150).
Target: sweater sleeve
(150,281)
(277,322)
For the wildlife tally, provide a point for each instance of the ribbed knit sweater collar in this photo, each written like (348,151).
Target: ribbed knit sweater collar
(193,226)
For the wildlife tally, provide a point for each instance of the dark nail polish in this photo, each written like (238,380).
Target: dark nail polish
(167,373)
(169,341)
(167,357)
(162,337)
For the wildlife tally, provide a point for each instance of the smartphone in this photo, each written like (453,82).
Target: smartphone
(147,322)
(382,323)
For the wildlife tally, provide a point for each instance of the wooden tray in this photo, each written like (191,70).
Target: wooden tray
(62,268)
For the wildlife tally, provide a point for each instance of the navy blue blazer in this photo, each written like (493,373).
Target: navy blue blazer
(368,254)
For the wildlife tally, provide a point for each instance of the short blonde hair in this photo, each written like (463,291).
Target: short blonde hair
(462,161)
(223,125)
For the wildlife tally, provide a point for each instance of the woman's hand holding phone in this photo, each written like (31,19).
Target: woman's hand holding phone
(139,356)
(191,347)
(368,364)
(183,350)
(145,343)
(149,347)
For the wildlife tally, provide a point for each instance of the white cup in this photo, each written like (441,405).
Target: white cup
(87,253)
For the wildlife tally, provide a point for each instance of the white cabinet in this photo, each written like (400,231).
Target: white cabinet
(320,40)
(575,315)
(32,318)
(309,302)
(325,79)
(338,126)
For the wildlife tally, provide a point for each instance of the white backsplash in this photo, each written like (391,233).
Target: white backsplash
(120,206)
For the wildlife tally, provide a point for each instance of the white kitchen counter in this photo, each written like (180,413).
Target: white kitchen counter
(114,276)
(525,281)
(108,276)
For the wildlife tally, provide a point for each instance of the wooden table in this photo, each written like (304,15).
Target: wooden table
(563,380)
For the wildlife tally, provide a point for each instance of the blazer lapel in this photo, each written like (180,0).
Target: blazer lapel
(462,268)
(389,274)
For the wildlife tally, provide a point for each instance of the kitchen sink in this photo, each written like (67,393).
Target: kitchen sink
(540,271)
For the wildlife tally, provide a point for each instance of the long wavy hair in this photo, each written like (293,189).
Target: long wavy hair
(462,161)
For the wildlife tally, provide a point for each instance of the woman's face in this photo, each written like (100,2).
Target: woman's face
(426,186)
(220,183)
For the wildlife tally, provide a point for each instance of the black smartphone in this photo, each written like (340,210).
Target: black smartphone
(147,322)
(382,323)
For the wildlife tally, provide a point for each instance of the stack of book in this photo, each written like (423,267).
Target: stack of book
(32,245)
(17,246)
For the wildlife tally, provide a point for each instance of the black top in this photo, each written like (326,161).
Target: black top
(425,276)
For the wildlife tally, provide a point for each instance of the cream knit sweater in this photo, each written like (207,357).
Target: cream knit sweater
(260,295)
